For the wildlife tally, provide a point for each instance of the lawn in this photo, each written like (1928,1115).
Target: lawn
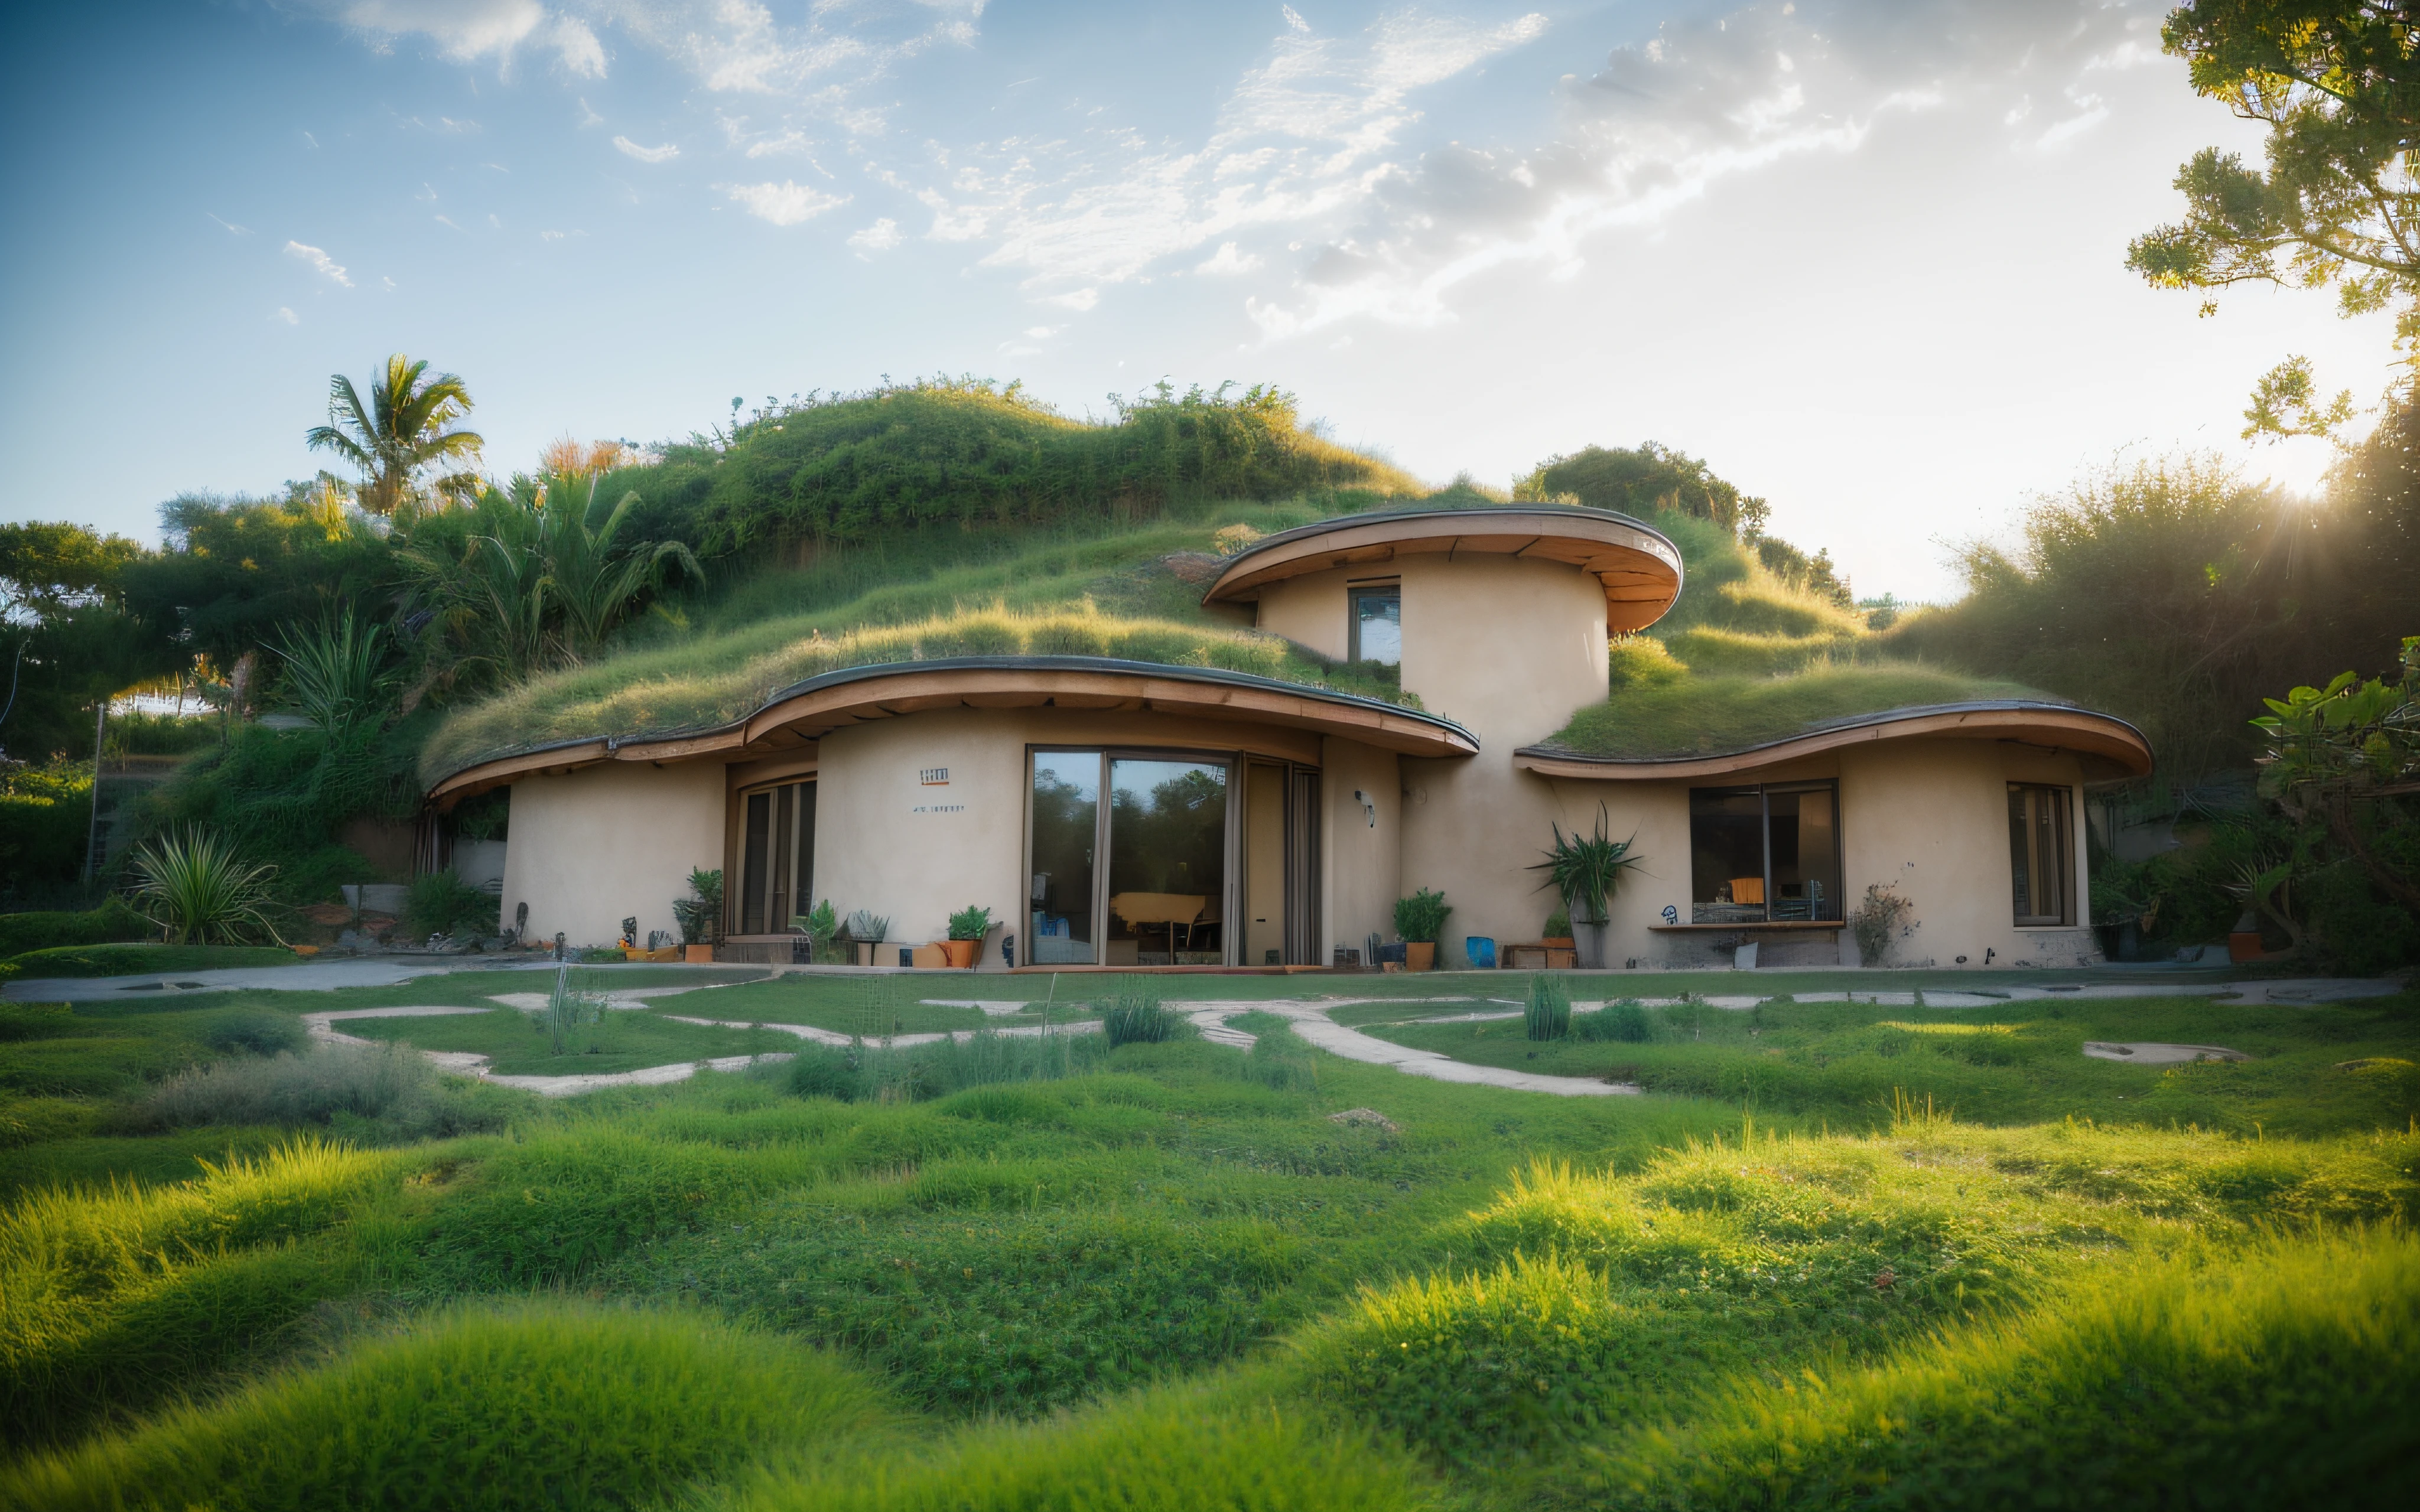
(1168,1274)
(140,959)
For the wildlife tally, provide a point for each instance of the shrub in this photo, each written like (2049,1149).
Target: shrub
(257,1032)
(915,1074)
(1643,661)
(387,1081)
(110,922)
(500,1407)
(1624,1022)
(440,902)
(1421,916)
(191,885)
(1584,871)
(1877,920)
(1140,1019)
(137,959)
(1547,1015)
(2259,1381)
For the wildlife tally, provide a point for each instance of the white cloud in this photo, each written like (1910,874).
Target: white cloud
(1227,261)
(288,315)
(785,203)
(881,235)
(470,31)
(230,227)
(631,150)
(320,262)
(588,116)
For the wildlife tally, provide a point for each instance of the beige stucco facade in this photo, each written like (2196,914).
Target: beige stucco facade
(923,792)
(590,848)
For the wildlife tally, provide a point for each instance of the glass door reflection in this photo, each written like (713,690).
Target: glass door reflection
(1167,862)
(1066,825)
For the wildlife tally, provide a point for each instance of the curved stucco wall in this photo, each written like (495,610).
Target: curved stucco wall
(591,848)
(1507,648)
(1929,815)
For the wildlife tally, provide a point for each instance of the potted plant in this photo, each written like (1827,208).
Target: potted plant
(1584,871)
(968,927)
(700,915)
(821,927)
(867,930)
(1420,920)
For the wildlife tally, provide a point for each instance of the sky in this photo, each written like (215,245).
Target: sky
(1866,259)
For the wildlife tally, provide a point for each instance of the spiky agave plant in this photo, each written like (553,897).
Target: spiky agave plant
(333,673)
(192,885)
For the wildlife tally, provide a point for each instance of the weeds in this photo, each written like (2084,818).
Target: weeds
(1547,1012)
(390,1081)
(1140,1018)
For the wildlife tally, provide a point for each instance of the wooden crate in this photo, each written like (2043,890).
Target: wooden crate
(1537,957)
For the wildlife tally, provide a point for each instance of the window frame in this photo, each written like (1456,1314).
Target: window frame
(1232,842)
(1764,792)
(2063,866)
(803,817)
(1372,588)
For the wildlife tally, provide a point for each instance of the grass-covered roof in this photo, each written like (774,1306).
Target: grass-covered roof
(1131,593)
(1747,658)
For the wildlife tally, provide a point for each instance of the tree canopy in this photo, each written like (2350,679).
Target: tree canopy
(401,434)
(2338,83)
(1643,480)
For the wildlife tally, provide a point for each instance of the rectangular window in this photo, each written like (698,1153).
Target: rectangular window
(777,858)
(1135,858)
(1768,854)
(1378,624)
(2038,855)
(1066,825)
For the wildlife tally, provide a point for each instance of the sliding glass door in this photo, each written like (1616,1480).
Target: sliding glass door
(1166,835)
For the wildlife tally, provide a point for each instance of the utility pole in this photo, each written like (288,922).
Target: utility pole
(92,825)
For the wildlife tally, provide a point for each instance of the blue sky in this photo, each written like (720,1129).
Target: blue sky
(1864,258)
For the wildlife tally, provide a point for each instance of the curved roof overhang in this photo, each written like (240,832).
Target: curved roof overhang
(1639,568)
(805,712)
(2103,740)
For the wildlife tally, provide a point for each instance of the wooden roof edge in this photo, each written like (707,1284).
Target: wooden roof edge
(1393,726)
(1243,574)
(2085,732)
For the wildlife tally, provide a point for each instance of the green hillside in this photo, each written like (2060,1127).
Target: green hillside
(1751,655)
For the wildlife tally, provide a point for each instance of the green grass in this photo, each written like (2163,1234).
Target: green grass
(1164,1275)
(2313,1071)
(41,931)
(621,1039)
(141,959)
(1100,595)
(497,1408)
(1706,714)
(2260,1381)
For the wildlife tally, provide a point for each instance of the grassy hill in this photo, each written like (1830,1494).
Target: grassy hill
(1749,656)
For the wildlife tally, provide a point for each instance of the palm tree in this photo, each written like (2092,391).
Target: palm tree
(401,432)
(593,577)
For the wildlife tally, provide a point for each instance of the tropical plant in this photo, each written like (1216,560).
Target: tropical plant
(1138,1019)
(821,926)
(1586,870)
(700,914)
(2338,758)
(440,902)
(1422,917)
(1546,1014)
(970,923)
(334,674)
(191,885)
(1624,1023)
(401,434)
(1877,921)
(867,927)
(543,576)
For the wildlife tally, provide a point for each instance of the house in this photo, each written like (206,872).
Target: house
(1114,811)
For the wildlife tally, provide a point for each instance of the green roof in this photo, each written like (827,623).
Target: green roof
(1720,716)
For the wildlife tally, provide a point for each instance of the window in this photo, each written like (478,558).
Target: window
(1769,853)
(777,858)
(2037,849)
(1377,623)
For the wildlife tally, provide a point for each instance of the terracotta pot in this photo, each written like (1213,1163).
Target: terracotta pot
(961,952)
(701,955)
(1419,955)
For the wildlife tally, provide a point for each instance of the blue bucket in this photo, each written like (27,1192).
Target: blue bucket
(1482,950)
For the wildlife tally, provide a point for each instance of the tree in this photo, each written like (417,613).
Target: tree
(66,641)
(1643,481)
(2338,83)
(400,434)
